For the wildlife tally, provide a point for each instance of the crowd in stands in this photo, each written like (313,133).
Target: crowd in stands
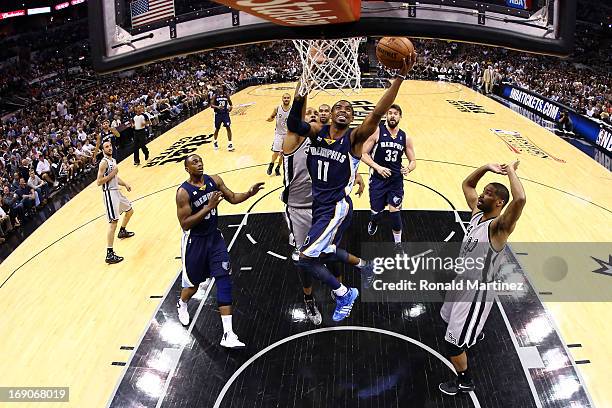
(583,82)
(51,141)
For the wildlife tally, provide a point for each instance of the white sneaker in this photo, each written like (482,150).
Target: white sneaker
(183,313)
(230,147)
(230,340)
(215,145)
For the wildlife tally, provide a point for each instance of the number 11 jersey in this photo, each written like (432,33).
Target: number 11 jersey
(332,167)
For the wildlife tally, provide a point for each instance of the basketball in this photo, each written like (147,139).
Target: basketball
(391,51)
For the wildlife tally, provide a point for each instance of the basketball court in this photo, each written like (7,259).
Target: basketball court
(112,335)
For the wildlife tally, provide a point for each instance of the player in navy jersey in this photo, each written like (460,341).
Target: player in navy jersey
(332,162)
(383,152)
(222,104)
(203,250)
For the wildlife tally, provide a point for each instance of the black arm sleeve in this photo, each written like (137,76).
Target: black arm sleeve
(295,123)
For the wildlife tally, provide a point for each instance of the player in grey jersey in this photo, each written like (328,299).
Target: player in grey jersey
(466,312)
(297,196)
(281,113)
(114,202)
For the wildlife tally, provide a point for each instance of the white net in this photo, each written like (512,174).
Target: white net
(331,66)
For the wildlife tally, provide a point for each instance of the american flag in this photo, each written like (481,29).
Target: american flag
(148,11)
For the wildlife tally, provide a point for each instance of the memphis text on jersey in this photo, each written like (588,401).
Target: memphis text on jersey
(455,285)
(327,153)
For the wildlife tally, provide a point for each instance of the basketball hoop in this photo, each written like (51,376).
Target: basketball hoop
(329,65)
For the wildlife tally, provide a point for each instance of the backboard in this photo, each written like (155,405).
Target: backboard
(126,33)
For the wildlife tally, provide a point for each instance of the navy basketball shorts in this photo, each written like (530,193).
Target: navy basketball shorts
(385,192)
(203,257)
(222,119)
(329,222)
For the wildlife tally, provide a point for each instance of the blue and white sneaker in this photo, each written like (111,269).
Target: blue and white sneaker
(367,274)
(344,304)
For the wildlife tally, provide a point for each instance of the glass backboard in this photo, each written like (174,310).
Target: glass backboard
(128,33)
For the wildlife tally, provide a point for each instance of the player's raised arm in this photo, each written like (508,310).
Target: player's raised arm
(505,223)
(183,208)
(236,198)
(363,131)
(296,123)
(469,184)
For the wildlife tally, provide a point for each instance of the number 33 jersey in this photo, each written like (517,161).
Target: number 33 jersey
(332,167)
(388,152)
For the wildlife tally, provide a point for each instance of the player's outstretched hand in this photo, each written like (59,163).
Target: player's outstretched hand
(128,187)
(383,171)
(409,63)
(498,168)
(270,119)
(215,199)
(255,188)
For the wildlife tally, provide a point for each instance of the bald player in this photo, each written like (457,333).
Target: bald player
(485,239)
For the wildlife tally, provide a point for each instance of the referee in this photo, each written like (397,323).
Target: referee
(140,122)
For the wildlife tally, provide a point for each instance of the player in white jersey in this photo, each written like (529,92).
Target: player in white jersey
(114,202)
(466,311)
(297,196)
(281,113)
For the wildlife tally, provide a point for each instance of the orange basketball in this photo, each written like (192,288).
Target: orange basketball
(391,51)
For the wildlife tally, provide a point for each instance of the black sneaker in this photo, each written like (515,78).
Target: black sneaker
(270,166)
(367,274)
(277,171)
(146,155)
(113,258)
(399,248)
(312,311)
(136,163)
(453,387)
(372,227)
(125,234)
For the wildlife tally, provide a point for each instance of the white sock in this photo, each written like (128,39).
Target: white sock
(341,291)
(361,263)
(227,323)
(397,236)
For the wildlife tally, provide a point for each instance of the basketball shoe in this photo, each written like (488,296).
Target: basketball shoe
(183,313)
(230,340)
(344,304)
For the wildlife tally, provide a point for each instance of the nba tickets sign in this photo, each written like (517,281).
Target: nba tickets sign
(593,131)
(179,150)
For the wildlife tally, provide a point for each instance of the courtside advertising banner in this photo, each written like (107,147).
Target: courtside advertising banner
(593,131)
